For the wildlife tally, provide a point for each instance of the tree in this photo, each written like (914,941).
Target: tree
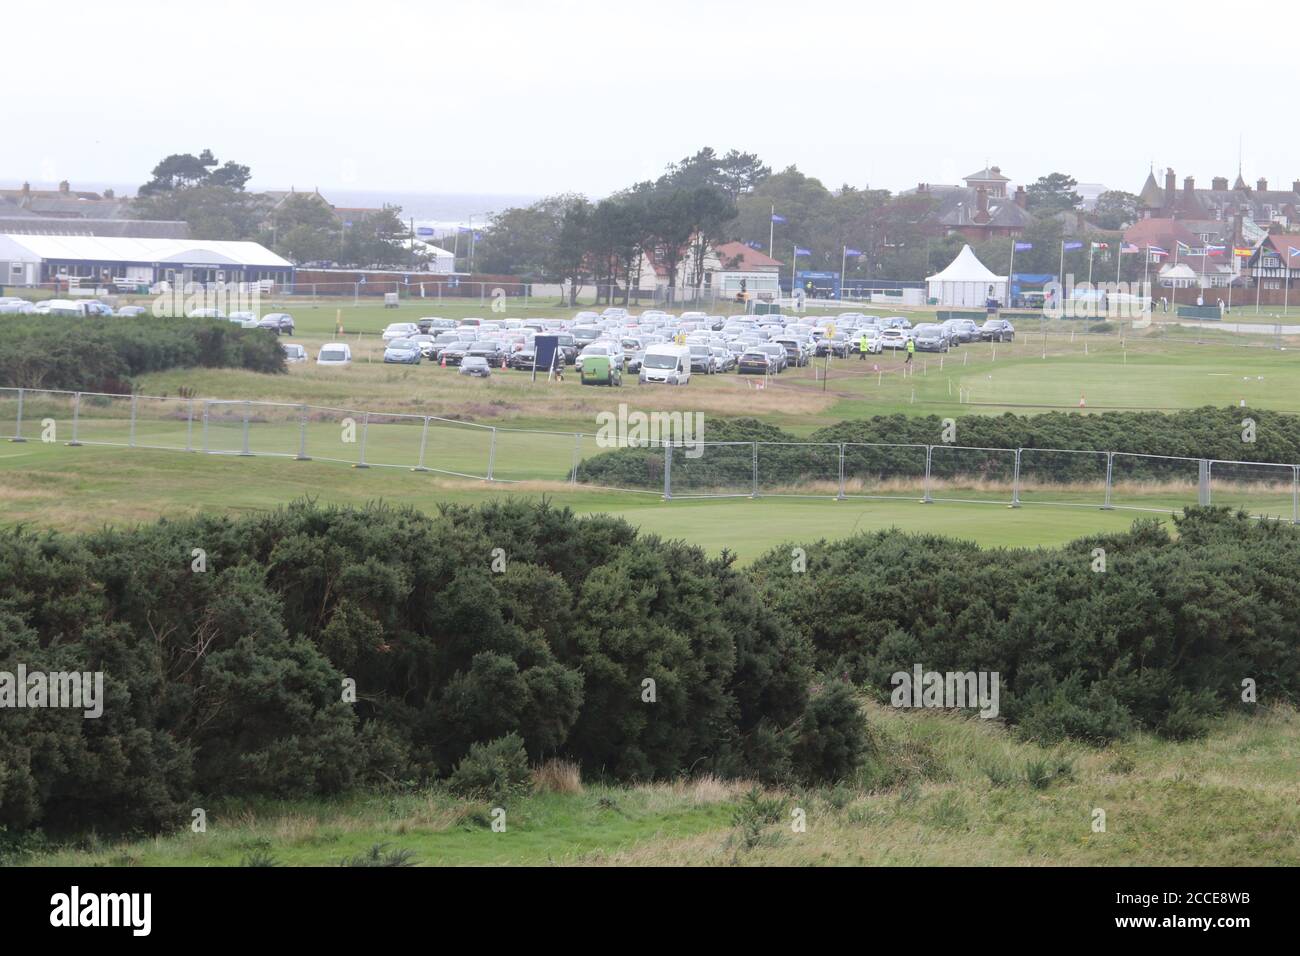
(187,171)
(568,259)
(1052,193)
(303,228)
(212,212)
(1116,209)
(734,174)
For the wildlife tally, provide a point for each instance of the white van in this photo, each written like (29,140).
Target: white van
(334,353)
(666,365)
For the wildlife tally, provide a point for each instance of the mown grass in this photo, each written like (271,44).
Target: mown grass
(937,789)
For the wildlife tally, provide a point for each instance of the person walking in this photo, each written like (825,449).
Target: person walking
(911,350)
(863,346)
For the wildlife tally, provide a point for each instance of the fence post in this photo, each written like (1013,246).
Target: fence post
(1015,481)
(1203,473)
(18,427)
(668,472)
(840,496)
(1110,480)
(248,407)
(577,454)
(754,487)
(76,419)
(130,442)
(492,455)
(302,434)
(205,427)
(365,430)
(424,440)
(1295,494)
(929,452)
(189,426)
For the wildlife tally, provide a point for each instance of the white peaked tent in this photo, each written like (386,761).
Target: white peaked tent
(966,282)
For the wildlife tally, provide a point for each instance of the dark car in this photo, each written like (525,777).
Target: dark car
(754,363)
(523,359)
(837,344)
(569,346)
(280,322)
(489,349)
(962,330)
(475,365)
(455,353)
(702,359)
(997,330)
(434,324)
(931,338)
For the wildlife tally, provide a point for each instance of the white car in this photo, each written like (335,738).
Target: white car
(12,305)
(602,347)
(334,353)
(873,336)
(205,314)
(294,353)
(400,330)
(894,339)
(245,320)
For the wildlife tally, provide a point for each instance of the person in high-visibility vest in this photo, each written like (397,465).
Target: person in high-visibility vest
(863,346)
(911,350)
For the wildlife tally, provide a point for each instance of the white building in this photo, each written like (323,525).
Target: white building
(966,282)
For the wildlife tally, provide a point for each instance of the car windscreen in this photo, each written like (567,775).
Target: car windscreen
(401,344)
(660,361)
(333,355)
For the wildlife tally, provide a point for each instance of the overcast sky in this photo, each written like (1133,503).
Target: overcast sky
(499,96)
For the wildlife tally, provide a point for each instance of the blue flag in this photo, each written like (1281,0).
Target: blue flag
(802,252)
(1024,246)
(776,218)
(853,252)
(1072,245)
(424,231)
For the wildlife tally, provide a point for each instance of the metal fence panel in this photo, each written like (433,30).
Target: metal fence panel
(1262,490)
(965,473)
(884,471)
(1063,477)
(797,468)
(711,470)
(532,455)
(1155,482)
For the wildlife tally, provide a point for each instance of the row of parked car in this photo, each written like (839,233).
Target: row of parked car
(280,322)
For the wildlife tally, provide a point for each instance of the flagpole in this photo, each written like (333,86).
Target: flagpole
(771,230)
(1011,270)
(1060,273)
(1091,246)
(844,259)
(1258,285)
(794,258)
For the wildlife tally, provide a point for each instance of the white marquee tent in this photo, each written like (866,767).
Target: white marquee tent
(966,282)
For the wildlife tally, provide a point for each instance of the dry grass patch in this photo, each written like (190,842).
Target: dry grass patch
(557,776)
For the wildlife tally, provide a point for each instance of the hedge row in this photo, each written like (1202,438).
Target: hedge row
(102,355)
(1214,433)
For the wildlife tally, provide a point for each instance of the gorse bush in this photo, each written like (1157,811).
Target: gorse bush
(102,355)
(496,770)
(1162,640)
(630,656)
(1198,433)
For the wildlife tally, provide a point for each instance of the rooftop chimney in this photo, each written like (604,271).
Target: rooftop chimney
(1171,183)
(982,204)
(1021,198)
(1189,184)
(1220,183)
(27,189)
(64,187)
(1295,186)
(1262,185)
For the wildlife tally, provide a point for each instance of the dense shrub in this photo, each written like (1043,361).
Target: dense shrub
(1162,639)
(232,681)
(496,770)
(1214,433)
(102,355)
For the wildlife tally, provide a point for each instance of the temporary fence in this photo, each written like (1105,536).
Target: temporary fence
(930,473)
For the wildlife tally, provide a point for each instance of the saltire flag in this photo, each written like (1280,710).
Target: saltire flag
(1071,245)
(1215,250)
(776,218)
(1128,248)
(802,252)
(1292,252)
(1024,246)
(1184,249)
(852,252)
(1156,250)
(1101,245)
(1243,252)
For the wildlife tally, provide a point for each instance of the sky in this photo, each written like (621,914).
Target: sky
(532,98)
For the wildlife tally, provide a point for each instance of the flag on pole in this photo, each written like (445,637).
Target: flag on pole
(1023,246)
(1292,252)
(1243,252)
(1067,246)
(776,218)
(1215,250)
(852,252)
(1157,251)
(1128,248)
(802,252)
(1100,245)
(1184,249)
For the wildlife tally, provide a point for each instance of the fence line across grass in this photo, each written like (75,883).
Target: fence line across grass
(940,472)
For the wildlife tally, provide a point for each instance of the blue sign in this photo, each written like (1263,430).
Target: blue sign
(424,231)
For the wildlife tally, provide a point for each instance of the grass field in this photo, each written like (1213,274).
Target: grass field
(937,790)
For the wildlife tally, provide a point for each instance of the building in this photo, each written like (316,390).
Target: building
(1258,205)
(1275,265)
(67,203)
(980,209)
(31,260)
(31,225)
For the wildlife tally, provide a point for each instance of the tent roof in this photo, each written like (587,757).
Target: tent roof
(124,249)
(966,268)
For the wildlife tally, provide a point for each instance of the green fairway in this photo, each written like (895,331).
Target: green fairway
(78,488)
